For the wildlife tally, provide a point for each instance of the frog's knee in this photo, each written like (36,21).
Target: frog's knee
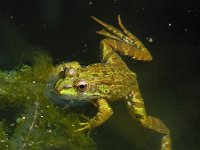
(109,112)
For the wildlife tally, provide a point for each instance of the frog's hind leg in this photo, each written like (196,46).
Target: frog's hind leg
(136,108)
(108,55)
(131,46)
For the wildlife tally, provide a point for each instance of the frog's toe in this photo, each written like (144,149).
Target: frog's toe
(83,123)
(86,126)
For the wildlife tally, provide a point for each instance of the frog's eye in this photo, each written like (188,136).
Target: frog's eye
(67,72)
(81,85)
(70,72)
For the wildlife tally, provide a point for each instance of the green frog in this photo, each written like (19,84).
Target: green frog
(110,80)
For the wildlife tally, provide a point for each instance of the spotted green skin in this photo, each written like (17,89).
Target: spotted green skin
(111,80)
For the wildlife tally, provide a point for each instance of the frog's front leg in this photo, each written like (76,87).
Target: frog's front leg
(136,108)
(104,112)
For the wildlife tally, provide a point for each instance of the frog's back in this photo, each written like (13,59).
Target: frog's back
(113,82)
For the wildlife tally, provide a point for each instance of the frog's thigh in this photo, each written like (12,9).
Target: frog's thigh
(137,109)
(104,112)
(109,55)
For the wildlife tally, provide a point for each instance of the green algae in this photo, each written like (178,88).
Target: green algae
(34,123)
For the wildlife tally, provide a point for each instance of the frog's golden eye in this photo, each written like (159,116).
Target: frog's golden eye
(81,85)
(67,72)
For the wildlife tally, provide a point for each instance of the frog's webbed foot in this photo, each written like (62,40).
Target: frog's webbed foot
(158,126)
(124,41)
(104,112)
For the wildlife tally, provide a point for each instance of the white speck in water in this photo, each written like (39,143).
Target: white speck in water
(185,29)
(90,2)
(36,126)
(12,125)
(149,39)
(11,17)
(41,116)
(33,82)
(31,143)
(85,47)
(3,141)
(3,91)
(24,117)
(114,0)
(169,24)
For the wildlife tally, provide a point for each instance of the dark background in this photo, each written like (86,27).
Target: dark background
(169,84)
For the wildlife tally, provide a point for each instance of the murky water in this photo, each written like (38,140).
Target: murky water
(168,84)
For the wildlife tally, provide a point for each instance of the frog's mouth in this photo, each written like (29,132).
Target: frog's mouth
(63,101)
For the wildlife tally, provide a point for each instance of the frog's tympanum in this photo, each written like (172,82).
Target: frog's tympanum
(111,80)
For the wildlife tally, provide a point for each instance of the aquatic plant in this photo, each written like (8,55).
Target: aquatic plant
(28,119)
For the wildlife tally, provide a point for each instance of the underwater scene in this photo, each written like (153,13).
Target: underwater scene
(99,75)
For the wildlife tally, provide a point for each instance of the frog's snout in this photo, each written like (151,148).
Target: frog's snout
(57,91)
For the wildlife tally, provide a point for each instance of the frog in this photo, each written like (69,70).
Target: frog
(110,80)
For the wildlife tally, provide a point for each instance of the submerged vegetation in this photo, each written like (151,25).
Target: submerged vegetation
(28,119)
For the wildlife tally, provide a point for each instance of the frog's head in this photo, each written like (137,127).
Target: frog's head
(72,86)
